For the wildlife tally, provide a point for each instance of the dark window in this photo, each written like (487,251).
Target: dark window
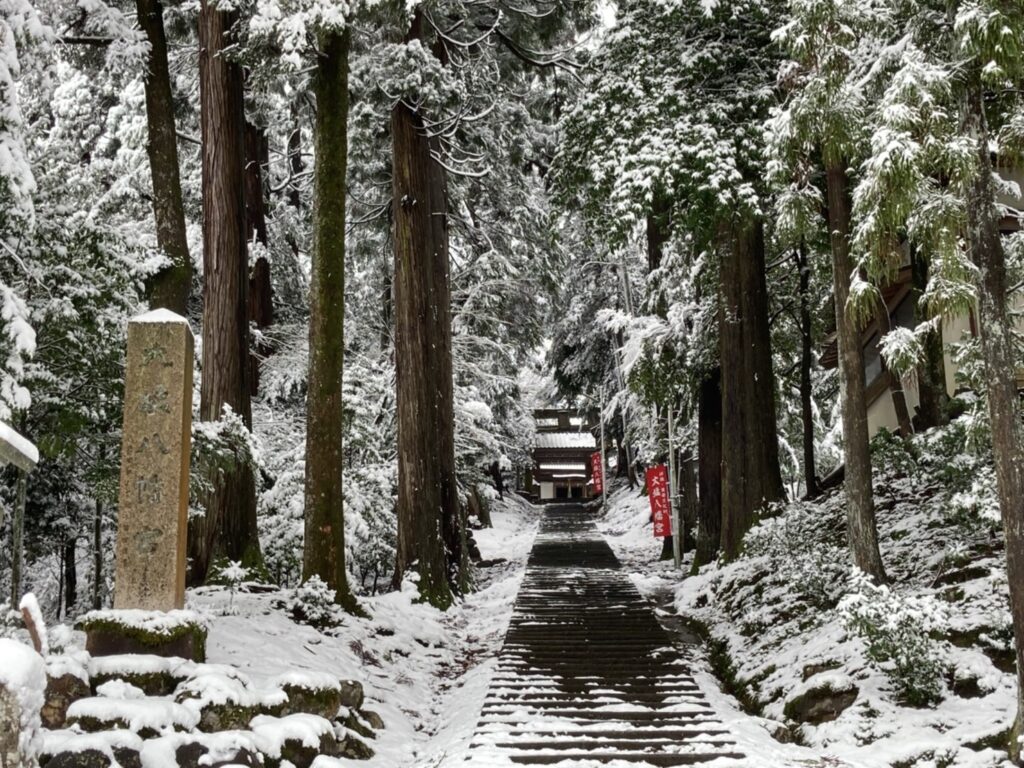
(903,315)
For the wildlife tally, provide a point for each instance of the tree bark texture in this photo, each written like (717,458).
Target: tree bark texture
(97,556)
(709,469)
(229,526)
(751,477)
(453,522)
(170,286)
(70,561)
(996,330)
(324,551)
(860,506)
(429,518)
(806,364)
(261,299)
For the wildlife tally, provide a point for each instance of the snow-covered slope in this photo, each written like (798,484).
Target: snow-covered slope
(920,672)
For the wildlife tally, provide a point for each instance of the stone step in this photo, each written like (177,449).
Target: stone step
(625,757)
(618,716)
(673,734)
(504,695)
(603,745)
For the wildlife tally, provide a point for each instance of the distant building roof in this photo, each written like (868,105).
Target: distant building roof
(565,440)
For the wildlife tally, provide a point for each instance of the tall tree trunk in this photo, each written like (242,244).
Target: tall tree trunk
(860,505)
(453,518)
(997,330)
(931,373)
(229,527)
(97,556)
(709,469)
(899,397)
(261,300)
(806,363)
(657,236)
(759,403)
(429,519)
(295,164)
(324,552)
(70,576)
(735,512)
(499,481)
(751,477)
(170,286)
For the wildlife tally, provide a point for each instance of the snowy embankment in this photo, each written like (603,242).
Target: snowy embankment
(407,682)
(918,674)
(423,671)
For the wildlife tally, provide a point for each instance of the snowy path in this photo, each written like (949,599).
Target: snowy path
(587,675)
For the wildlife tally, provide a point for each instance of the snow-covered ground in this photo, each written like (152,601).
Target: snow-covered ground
(423,671)
(777,612)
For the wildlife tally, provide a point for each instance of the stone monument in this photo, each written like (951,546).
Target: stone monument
(156,443)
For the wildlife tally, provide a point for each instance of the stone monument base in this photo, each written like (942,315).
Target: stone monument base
(171,633)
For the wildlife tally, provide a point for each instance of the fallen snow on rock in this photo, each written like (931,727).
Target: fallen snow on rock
(23,677)
(125,704)
(271,733)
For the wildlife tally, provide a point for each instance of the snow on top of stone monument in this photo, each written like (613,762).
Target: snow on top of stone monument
(21,444)
(159,316)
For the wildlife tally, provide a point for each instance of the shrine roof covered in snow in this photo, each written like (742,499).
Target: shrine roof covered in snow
(565,440)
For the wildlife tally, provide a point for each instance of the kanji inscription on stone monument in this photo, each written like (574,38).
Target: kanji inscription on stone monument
(155,446)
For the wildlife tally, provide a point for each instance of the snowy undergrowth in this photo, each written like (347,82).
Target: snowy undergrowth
(927,661)
(423,671)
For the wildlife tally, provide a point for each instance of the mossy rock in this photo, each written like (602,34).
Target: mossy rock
(821,704)
(92,758)
(95,725)
(374,720)
(324,702)
(226,717)
(106,635)
(352,695)
(301,756)
(354,749)
(191,755)
(61,692)
(355,723)
(150,683)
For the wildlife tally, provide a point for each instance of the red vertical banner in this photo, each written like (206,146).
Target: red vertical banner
(597,471)
(657,491)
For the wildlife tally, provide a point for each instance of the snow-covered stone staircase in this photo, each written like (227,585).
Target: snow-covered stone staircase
(587,674)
